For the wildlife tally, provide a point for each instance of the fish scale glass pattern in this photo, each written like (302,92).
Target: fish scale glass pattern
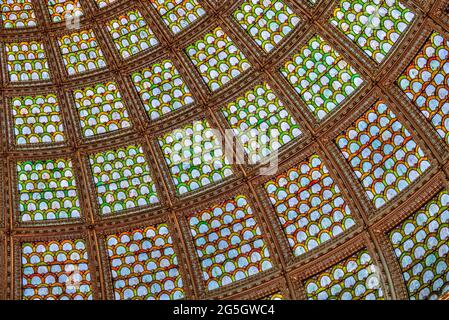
(373,25)
(131,34)
(104,3)
(383,154)
(354,278)
(100,109)
(144,265)
(309,205)
(194,157)
(426,81)
(217,59)
(421,244)
(321,76)
(268,22)
(61,10)
(27,61)
(37,119)
(178,14)
(228,242)
(122,179)
(161,89)
(81,52)
(17,14)
(260,122)
(47,190)
(55,270)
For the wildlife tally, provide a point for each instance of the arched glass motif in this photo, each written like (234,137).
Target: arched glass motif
(217,59)
(144,264)
(194,157)
(61,10)
(37,119)
(122,179)
(383,154)
(100,109)
(373,25)
(354,278)
(55,270)
(268,22)
(228,242)
(104,3)
(426,80)
(178,14)
(80,52)
(260,122)
(47,190)
(309,205)
(321,76)
(161,89)
(421,244)
(131,33)
(27,61)
(18,14)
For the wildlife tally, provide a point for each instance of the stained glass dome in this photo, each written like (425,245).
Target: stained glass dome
(118,182)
